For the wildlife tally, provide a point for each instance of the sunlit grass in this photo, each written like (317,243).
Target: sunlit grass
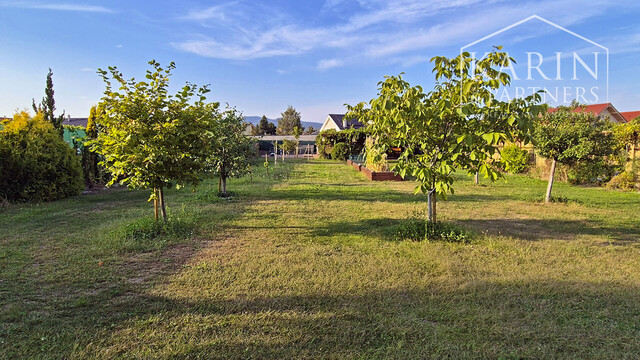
(302,264)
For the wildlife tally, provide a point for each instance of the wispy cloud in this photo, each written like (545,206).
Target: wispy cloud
(247,37)
(329,63)
(372,29)
(217,12)
(624,44)
(56,7)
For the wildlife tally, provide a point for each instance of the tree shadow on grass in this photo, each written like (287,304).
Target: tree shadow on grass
(552,229)
(380,228)
(363,192)
(523,229)
(477,198)
(535,319)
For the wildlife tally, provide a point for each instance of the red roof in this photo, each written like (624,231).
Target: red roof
(630,115)
(596,109)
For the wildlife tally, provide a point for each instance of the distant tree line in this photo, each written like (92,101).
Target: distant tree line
(289,121)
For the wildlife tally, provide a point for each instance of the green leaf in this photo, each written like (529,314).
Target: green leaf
(467,87)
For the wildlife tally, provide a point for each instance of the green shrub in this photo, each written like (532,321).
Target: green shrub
(35,163)
(417,228)
(340,152)
(625,181)
(322,151)
(590,172)
(515,160)
(353,138)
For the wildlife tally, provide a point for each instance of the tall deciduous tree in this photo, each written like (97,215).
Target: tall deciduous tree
(569,137)
(231,148)
(290,119)
(151,139)
(48,106)
(458,125)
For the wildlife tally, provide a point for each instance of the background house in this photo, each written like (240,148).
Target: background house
(75,121)
(337,122)
(604,110)
(630,115)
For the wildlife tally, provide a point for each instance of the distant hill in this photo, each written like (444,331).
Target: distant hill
(256,119)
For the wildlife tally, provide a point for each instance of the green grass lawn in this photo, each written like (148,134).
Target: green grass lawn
(302,264)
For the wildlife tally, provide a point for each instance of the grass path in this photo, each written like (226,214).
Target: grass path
(303,265)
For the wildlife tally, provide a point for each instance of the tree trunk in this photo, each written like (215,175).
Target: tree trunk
(275,155)
(219,184)
(434,202)
(297,150)
(476,178)
(552,173)
(224,185)
(163,208)
(155,203)
(431,206)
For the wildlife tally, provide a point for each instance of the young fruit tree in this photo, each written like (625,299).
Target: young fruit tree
(296,134)
(458,125)
(231,149)
(151,139)
(289,146)
(568,137)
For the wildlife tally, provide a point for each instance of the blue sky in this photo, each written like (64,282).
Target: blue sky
(262,56)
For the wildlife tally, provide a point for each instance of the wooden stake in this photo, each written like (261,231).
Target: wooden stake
(155,203)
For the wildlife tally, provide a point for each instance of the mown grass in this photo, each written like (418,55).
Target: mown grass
(302,264)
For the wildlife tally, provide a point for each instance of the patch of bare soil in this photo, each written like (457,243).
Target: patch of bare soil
(146,268)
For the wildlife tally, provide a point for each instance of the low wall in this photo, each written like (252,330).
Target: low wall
(354,164)
(375,175)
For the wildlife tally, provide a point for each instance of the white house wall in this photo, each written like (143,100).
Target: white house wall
(329,124)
